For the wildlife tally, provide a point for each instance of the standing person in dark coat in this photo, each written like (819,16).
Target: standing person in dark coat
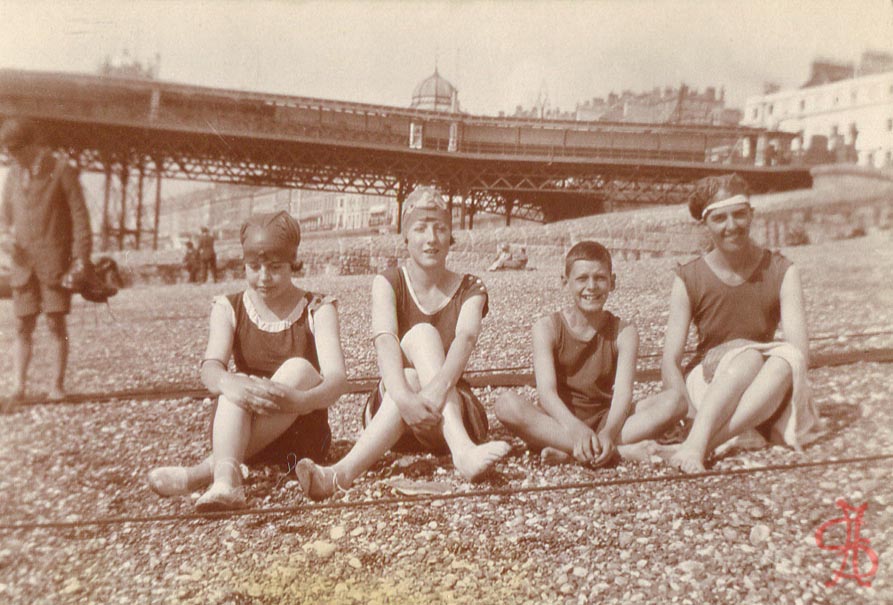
(191,262)
(207,256)
(44,226)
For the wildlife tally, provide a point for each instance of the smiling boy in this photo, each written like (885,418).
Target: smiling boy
(584,360)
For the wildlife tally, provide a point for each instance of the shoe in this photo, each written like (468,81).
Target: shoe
(315,482)
(167,481)
(221,497)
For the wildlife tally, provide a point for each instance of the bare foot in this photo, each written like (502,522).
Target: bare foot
(645,451)
(474,462)
(317,482)
(688,461)
(551,456)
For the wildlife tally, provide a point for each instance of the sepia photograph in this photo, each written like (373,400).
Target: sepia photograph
(461,302)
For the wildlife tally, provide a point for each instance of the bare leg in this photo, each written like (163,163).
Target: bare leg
(767,391)
(59,339)
(381,433)
(260,432)
(424,349)
(652,416)
(719,403)
(22,352)
(531,423)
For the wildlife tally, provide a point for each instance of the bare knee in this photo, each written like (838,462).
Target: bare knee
(779,371)
(421,337)
(56,326)
(509,408)
(744,367)
(25,327)
(297,373)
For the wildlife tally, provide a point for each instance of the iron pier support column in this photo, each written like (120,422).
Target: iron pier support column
(104,230)
(158,170)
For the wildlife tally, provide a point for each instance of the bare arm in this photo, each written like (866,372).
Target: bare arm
(793,312)
(331,365)
(386,341)
(621,402)
(674,341)
(241,389)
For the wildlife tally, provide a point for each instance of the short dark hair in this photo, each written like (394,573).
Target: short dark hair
(713,189)
(587,250)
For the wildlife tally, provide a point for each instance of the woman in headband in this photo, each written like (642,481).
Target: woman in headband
(289,368)
(740,378)
(425,321)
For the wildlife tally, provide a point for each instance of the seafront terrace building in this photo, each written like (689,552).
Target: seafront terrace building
(841,107)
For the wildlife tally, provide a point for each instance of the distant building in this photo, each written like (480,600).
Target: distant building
(674,105)
(843,112)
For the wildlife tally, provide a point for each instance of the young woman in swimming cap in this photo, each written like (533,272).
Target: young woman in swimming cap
(736,294)
(425,320)
(289,368)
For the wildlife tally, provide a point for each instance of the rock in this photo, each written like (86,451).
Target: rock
(729,534)
(354,562)
(695,568)
(759,534)
(337,532)
(625,538)
(320,548)
(756,512)
(579,572)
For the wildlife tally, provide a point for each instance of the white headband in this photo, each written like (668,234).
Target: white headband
(729,201)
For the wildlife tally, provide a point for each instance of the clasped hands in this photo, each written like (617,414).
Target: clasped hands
(423,410)
(591,447)
(256,394)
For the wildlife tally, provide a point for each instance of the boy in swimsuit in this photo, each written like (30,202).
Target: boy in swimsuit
(584,360)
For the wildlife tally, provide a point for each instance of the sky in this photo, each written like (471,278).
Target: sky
(498,54)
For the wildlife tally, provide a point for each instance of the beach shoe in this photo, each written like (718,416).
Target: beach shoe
(317,483)
(221,497)
(167,481)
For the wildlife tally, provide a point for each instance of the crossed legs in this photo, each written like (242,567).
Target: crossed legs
(741,398)
(540,430)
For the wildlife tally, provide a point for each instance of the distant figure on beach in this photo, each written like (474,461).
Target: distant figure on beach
(507,259)
(289,369)
(207,256)
(741,377)
(425,322)
(584,360)
(191,262)
(45,228)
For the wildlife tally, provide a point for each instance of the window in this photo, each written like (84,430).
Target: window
(853,96)
(756,112)
(771,107)
(802,104)
(889,124)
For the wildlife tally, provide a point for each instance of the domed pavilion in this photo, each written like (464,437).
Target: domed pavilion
(435,93)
